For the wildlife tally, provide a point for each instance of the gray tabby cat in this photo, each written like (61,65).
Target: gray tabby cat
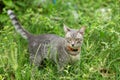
(52,47)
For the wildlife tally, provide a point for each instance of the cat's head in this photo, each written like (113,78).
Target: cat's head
(74,38)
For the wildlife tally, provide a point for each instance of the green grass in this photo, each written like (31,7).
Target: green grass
(100,56)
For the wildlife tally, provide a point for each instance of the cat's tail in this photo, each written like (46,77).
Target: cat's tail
(17,25)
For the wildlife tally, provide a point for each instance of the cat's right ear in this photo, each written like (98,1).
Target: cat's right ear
(82,30)
(66,28)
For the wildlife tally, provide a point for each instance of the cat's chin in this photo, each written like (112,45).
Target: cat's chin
(73,53)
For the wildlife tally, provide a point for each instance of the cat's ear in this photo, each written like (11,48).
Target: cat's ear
(66,28)
(82,30)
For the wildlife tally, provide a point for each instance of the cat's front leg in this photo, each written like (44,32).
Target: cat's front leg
(60,67)
(36,60)
(61,64)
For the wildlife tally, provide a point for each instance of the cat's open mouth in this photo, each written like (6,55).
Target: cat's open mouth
(75,50)
(72,49)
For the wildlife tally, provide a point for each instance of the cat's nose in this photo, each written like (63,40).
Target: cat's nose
(72,45)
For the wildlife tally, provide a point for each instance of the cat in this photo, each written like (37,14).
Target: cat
(50,46)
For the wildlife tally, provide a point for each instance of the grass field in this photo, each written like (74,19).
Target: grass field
(100,56)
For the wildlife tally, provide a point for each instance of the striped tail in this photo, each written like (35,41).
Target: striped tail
(17,25)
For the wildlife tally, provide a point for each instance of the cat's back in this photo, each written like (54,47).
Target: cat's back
(45,39)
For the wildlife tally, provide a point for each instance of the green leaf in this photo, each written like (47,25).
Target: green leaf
(8,3)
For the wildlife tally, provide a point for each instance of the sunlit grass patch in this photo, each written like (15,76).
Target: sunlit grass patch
(100,56)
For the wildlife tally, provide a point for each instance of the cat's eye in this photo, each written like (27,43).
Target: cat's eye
(68,39)
(78,40)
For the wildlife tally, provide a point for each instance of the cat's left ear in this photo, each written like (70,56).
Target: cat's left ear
(82,30)
(66,28)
